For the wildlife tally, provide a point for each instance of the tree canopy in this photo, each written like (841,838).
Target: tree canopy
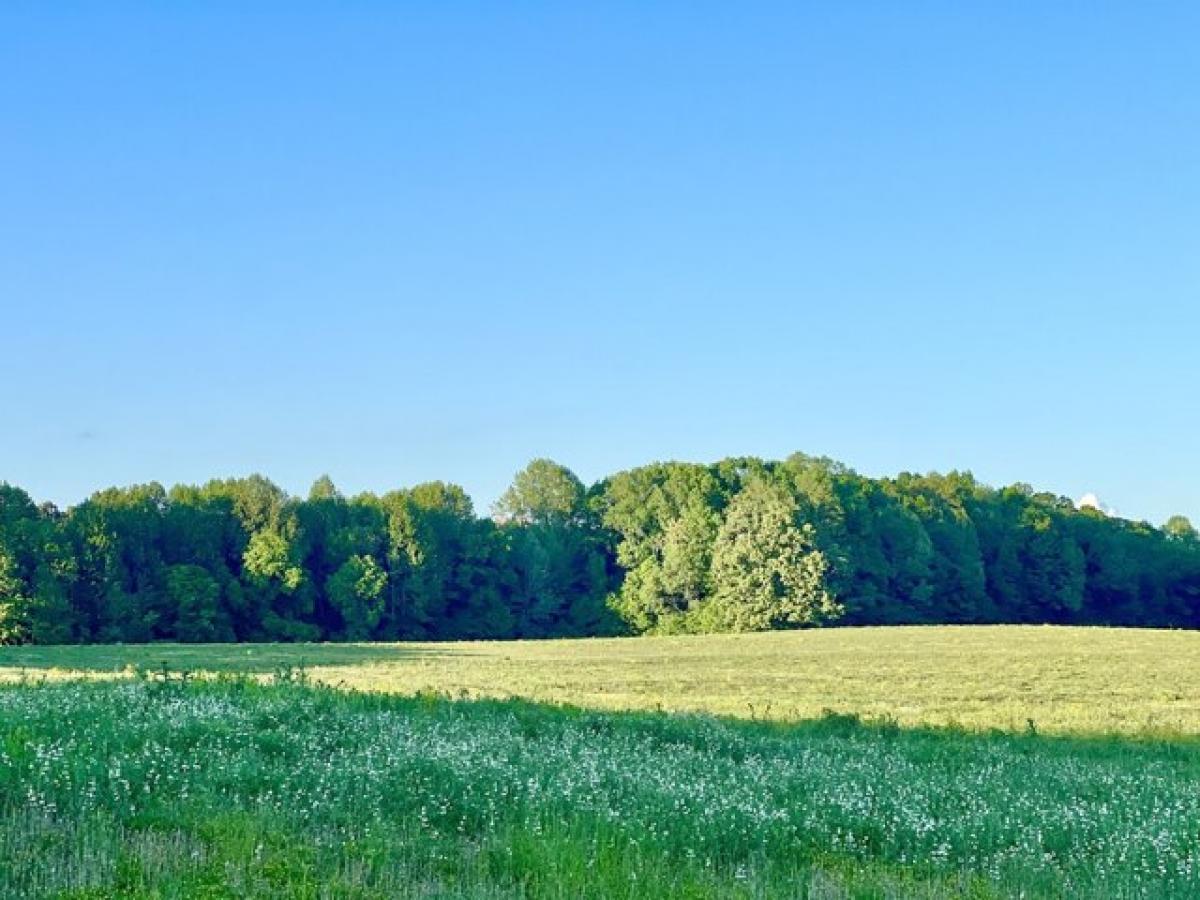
(742,544)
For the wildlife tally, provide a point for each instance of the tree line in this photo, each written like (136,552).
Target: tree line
(740,545)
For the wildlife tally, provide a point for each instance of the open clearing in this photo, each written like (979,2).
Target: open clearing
(1064,680)
(268,781)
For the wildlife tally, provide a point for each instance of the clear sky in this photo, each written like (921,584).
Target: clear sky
(396,242)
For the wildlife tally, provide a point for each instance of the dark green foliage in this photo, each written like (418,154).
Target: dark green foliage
(741,544)
(195,598)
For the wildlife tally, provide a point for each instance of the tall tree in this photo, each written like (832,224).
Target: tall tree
(357,592)
(14,602)
(196,597)
(543,493)
(742,543)
(766,572)
(1180,528)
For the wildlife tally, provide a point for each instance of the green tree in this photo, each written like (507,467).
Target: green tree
(435,549)
(1180,528)
(14,602)
(741,543)
(959,580)
(323,489)
(275,576)
(687,550)
(357,591)
(665,560)
(765,570)
(256,501)
(196,599)
(268,558)
(543,493)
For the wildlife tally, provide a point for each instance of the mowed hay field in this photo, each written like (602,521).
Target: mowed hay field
(266,781)
(1063,680)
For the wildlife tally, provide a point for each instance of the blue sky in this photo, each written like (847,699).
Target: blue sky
(398,242)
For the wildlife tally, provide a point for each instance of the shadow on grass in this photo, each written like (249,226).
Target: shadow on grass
(248,658)
(238,668)
(1181,748)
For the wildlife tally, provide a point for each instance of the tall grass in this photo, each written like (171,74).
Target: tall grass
(234,788)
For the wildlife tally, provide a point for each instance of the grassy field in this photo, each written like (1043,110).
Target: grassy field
(265,781)
(1064,680)
(234,788)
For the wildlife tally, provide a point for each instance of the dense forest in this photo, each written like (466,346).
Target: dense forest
(741,545)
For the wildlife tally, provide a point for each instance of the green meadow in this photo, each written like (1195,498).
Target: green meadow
(1065,680)
(907,762)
